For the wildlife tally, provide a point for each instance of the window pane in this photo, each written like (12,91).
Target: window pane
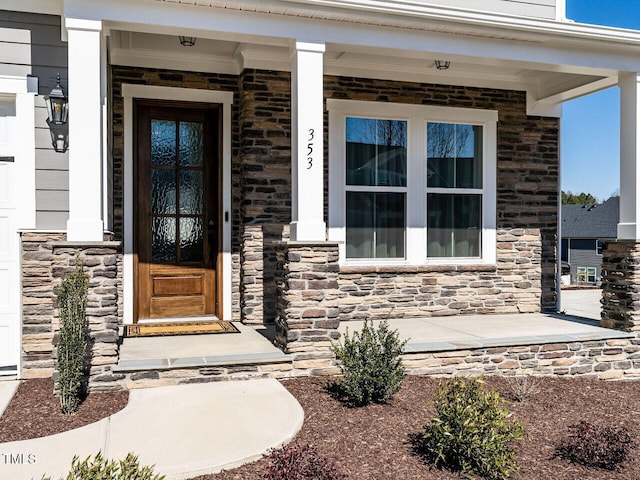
(163,240)
(163,191)
(376,152)
(454,155)
(191,192)
(191,144)
(454,225)
(375,225)
(191,240)
(163,142)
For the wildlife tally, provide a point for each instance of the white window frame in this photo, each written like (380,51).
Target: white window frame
(417,117)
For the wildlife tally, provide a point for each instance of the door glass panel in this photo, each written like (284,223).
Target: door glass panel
(191,144)
(163,142)
(163,191)
(163,239)
(191,192)
(191,239)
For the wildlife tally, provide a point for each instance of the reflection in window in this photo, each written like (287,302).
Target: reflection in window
(454,155)
(375,225)
(453,225)
(376,152)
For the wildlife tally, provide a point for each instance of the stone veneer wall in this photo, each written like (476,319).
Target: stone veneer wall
(524,278)
(46,258)
(621,285)
(265,155)
(308,302)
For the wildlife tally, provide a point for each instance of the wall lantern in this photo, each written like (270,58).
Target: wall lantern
(187,41)
(58,111)
(442,64)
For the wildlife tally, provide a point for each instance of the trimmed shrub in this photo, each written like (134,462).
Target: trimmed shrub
(98,468)
(596,446)
(71,299)
(300,462)
(371,364)
(471,432)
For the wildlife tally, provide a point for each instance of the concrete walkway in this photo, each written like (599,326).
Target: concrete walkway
(185,430)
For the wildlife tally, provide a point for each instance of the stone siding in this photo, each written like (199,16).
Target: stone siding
(46,258)
(621,285)
(524,279)
(308,313)
(603,359)
(513,286)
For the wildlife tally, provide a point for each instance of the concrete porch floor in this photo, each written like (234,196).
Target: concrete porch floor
(254,345)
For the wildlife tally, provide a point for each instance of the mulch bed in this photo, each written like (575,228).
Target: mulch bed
(372,443)
(35,412)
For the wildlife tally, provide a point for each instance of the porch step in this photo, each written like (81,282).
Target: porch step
(145,364)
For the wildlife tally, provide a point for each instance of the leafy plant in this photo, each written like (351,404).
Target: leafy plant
(596,446)
(71,299)
(300,462)
(98,468)
(522,387)
(371,364)
(472,432)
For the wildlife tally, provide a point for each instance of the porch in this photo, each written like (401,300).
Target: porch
(519,344)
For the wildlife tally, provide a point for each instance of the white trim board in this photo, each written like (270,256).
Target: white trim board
(129,92)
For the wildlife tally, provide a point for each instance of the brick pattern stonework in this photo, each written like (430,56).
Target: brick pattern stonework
(602,359)
(308,313)
(46,259)
(513,286)
(621,285)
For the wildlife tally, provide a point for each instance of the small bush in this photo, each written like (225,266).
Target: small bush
(371,364)
(596,446)
(71,299)
(300,462)
(471,432)
(98,468)
(522,387)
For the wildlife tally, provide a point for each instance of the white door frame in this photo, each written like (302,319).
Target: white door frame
(17,210)
(129,92)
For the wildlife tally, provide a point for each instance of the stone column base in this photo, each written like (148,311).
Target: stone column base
(621,285)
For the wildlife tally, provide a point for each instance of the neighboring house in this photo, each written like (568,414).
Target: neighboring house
(585,228)
(304,162)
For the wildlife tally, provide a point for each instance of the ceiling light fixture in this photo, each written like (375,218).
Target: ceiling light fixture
(187,41)
(442,64)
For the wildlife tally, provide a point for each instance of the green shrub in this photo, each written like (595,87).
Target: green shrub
(371,364)
(300,462)
(71,299)
(596,446)
(471,432)
(98,468)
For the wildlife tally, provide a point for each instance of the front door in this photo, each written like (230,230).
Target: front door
(176,203)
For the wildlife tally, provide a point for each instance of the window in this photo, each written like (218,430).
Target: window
(586,275)
(598,247)
(411,184)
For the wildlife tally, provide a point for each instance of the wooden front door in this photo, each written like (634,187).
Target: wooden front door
(176,205)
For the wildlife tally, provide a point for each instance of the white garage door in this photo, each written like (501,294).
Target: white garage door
(9,244)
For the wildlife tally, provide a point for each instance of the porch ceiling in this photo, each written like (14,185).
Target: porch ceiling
(546,85)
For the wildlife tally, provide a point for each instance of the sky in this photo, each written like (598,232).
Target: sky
(590,128)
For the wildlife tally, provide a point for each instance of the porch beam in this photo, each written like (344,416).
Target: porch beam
(629,226)
(85,130)
(307,120)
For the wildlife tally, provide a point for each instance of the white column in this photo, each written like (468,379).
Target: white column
(85,131)
(307,159)
(629,226)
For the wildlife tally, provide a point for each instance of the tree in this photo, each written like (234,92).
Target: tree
(569,198)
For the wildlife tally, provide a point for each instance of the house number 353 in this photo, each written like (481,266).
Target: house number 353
(310,147)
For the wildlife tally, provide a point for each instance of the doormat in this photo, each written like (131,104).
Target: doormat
(179,328)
